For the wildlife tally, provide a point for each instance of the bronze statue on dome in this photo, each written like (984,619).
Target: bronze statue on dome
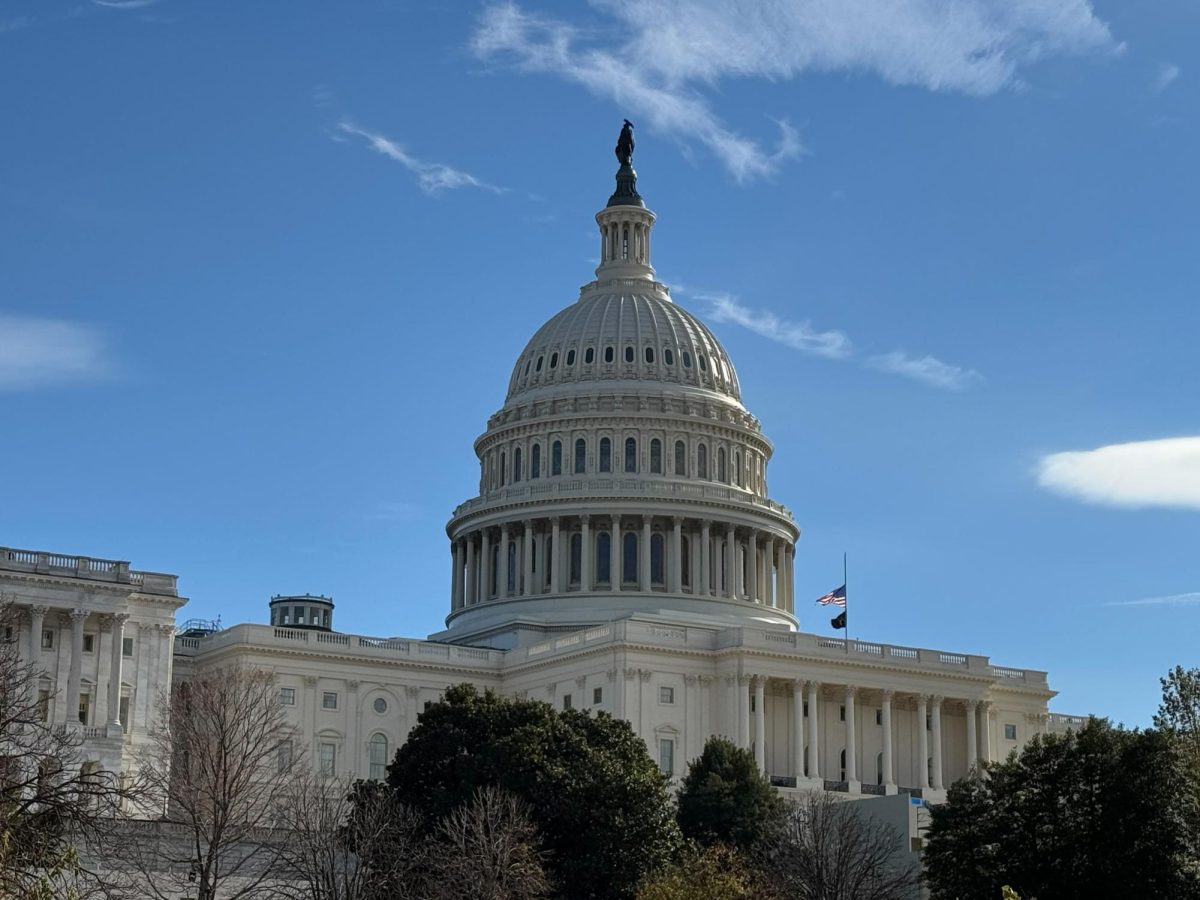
(624,149)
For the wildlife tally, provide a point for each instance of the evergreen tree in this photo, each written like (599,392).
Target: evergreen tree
(726,798)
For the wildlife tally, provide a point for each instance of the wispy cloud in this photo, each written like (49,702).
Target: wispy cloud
(394,511)
(1191,599)
(38,353)
(1166,75)
(432,177)
(660,58)
(125,4)
(15,24)
(927,369)
(1158,473)
(322,95)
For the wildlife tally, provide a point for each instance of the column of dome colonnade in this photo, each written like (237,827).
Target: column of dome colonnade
(808,758)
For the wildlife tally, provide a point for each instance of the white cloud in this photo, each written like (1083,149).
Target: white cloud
(42,352)
(1166,75)
(660,55)
(125,4)
(1162,473)
(797,335)
(1190,599)
(431,177)
(927,369)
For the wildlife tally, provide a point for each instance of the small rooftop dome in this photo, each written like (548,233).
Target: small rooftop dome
(302,611)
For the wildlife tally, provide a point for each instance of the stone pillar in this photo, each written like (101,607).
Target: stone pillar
(78,617)
(760,721)
(851,738)
(456,576)
(675,577)
(705,558)
(922,743)
(731,578)
(798,729)
(644,582)
(972,735)
(935,709)
(885,717)
(752,567)
(555,555)
(814,735)
(472,572)
(781,575)
(985,726)
(114,671)
(768,572)
(502,587)
(614,554)
(743,711)
(791,578)
(485,566)
(527,546)
(585,553)
(37,623)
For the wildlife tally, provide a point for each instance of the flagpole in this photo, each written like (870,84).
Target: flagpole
(846,608)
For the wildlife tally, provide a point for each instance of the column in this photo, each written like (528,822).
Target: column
(485,566)
(814,736)
(922,743)
(885,717)
(555,555)
(675,579)
(114,671)
(791,578)
(456,575)
(851,743)
(752,567)
(644,582)
(769,568)
(760,721)
(472,572)
(37,622)
(972,735)
(798,729)
(781,574)
(705,558)
(78,616)
(743,711)
(614,554)
(527,546)
(935,709)
(985,725)
(502,587)
(730,562)
(585,552)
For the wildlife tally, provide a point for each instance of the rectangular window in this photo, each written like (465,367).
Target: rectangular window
(328,759)
(929,723)
(666,695)
(89,643)
(9,635)
(299,615)
(597,695)
(329,700)
(566,701)
(879,717)
(287,696)
(1010,732)
(285,756)
(123,713)
(806,707)
(85,703)
(842,713)
(666,756)
(47,639)
(127,646)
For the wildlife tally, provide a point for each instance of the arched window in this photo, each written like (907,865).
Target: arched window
(668,356)
(701,360)
(494,581)
(629,558)
(722,476)
(657,575)
(516,465)
(580,456)
(656,456)
(685,561)
(538,368)
(556,458)
(513,571)
(605,455)
(629,353)
(630,455)
(649,354)
(548,557)
(576,558)
(570,357)
(377,749)
(554,360)
(687,360)
(608,354)
(503,467)
(702,461)
(843,759)
(535,461)
(603,551)
(737,467)
(680,458)
(589,355)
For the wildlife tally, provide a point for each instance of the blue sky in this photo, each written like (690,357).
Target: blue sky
(265,268)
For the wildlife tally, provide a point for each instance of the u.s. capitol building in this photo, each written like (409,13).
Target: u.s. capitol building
(622,554)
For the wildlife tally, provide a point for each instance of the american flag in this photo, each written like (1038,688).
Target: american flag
(834,598)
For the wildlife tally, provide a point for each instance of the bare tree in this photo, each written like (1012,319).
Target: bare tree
(218,762)
(826,849)
(53,803)
(488,850)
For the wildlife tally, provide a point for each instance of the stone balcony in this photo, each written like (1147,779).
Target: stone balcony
(114,571)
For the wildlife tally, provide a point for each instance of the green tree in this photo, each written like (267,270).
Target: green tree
(703,873)
(1179,712)
(599,802)
(1102,812)
(726,798)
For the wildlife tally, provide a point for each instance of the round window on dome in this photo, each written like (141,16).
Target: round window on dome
(668,356)
(608,354)
(538,367)
(554,360)
(629,354)
(380,705)
(649,354)
(589,355)
(687,360)
(570,357)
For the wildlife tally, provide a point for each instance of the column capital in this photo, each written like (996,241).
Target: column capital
(744,679)
(555,520)
(689,679)
(581,682)
(705,680)
(528,523)
(799,684)
(310,680)
(504,528)
(971,705)
(936,701)
(923,699)
(644,674)
(585,518)
(851,690)
(986,706)
(887,694)
(77,616)
(814,686)
(412,690)
(677,521)
(630,673)
(760,682)
(352,685)
(39,610)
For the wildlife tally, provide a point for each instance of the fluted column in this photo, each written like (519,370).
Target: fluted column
(114,670)
(456,586)
(527,563)
(644,582)
(555,555)
(769,570)
(75,672)
(485,566)
(922,742)
(585,552)
(851,736)
(743,711)
(935,710)
(614,554)
(730,562)
(885,718)
(472,572)
(814,733)
(985,725)
(972,735)
(37,623)
(760,721)
(791,578)
(502,587)
(705,558)
(798,729)
(752,567)
(675,580)
(781,574)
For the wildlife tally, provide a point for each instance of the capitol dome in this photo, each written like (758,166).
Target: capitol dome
(622,475)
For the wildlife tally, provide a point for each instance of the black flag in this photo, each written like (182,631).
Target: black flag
(838,621)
